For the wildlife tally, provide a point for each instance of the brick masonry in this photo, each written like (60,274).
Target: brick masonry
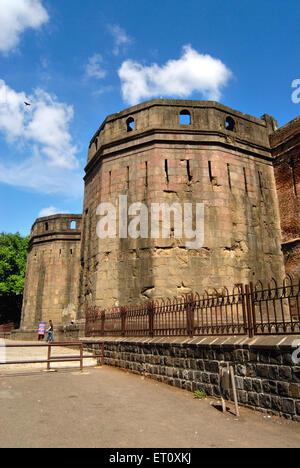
(266,377)
(285,144)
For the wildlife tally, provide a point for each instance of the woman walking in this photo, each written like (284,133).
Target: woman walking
(50,332)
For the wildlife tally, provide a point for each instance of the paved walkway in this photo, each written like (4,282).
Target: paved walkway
(109,408)
(37,353)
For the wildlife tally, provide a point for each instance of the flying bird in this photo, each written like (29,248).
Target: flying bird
(27,104)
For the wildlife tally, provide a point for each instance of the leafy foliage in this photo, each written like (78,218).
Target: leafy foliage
(13,257)
(199,394)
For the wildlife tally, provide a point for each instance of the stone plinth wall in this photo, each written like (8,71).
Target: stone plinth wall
(266,378)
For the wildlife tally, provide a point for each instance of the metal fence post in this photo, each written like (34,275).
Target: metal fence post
(123,320)
(150,308)
(249,311)
(190,314)
(253,311)
(244,306)
(102,322)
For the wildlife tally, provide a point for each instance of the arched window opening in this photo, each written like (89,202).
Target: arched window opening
(73,225)
(130,124)
(185,118)
(230,124)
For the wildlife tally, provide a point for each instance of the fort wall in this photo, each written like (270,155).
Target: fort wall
(52,274)
(285,145)
(221,158)
(243,170)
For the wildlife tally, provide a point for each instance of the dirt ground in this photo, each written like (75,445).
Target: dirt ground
(108,408)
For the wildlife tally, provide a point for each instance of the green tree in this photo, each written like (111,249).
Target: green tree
(13,257)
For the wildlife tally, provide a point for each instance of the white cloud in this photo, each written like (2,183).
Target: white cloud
(120,37)
(42,131)
(51,210)
(45,123)
(34,174)
(15,17)
(193,72)
(94,67)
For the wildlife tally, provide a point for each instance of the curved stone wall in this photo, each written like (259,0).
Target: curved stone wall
(52,274)
(222,159)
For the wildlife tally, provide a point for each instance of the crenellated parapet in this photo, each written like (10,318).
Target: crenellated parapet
(181,121)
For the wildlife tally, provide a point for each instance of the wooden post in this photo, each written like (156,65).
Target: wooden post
(49,356)
(81,356)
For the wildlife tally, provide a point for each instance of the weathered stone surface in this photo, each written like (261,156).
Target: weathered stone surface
(165,162)
(285,144)
(52,275)
(229,170)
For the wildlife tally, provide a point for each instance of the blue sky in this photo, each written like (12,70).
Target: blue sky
(76,62)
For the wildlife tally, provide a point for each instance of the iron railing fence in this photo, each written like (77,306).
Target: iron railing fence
(250,310)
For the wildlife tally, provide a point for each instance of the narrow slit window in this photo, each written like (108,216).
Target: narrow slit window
(130,125)
(260,182)
(294,179)
(185,118)
(128,177)
(109,183)
(188,170)
(167,171)
(245,179)
(211,177)
(146,173)
(73,225)
(229,176)
(46,226)
(71,251)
